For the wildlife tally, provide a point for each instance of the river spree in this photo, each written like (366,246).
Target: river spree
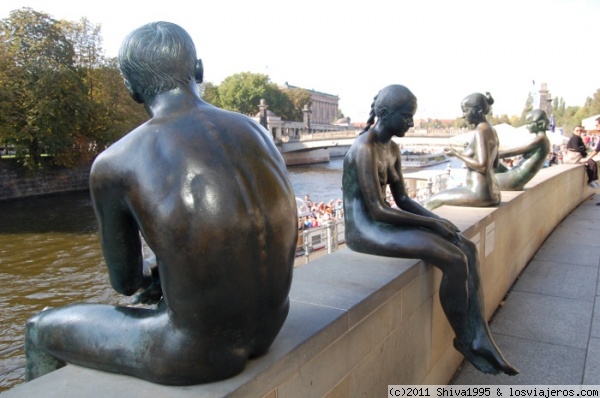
(50,256)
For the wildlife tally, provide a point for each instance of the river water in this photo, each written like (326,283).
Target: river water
(50,256)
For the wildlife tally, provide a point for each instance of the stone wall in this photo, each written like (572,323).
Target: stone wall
(18,183)
(359,322)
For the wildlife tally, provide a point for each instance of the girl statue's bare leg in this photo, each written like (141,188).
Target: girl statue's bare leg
(480,348)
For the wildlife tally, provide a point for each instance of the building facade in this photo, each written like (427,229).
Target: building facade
(324,108)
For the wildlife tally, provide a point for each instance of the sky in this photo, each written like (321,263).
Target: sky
(441,50)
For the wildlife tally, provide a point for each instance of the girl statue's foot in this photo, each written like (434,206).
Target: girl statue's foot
(485,359)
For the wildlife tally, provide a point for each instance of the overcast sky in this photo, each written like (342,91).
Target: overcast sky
(442,50)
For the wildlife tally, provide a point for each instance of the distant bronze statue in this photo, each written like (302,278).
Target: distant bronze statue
(411,231)
(534,153)
(480,157)
(209,192)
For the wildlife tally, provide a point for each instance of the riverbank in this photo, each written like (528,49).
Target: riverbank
(16,182)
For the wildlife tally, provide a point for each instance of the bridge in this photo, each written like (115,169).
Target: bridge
(308,142)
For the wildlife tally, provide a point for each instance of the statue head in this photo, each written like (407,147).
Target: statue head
(537,120)
(391,100)
(476,106)
(158,57)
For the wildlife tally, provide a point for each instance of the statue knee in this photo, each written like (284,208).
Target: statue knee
(31,330)
(209,366)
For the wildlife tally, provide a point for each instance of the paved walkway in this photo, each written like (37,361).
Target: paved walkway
(549,325)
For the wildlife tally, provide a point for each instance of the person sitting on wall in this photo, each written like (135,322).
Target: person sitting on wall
(535,153)
(577,153)
(372,164)
(209,192)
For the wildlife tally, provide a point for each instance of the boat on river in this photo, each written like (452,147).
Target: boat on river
(415,159)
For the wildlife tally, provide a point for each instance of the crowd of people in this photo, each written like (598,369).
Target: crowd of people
(582,148)
(313,214)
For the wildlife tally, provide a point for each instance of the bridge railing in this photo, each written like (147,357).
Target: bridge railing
(354,132)
(320,136)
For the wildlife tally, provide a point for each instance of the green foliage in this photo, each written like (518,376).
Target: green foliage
(42,81)
(494,120)
(114,113)
(565,117)
(568,117)
(299,98)
(210,94)
(591,106)
(58,94)
(242,92)
(460,123)
(526,109)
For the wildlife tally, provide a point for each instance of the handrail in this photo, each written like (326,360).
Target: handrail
(327,236)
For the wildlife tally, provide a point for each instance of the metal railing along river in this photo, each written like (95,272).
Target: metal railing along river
(322,239)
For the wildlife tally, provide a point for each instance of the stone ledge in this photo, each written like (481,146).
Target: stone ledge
(359,322)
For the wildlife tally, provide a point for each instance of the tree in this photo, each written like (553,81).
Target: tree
(39,75)
(59,95)
(210,94)
(591,106)
(114,112)
(494,120)
(565,116)
(299,98)
(460,123)
(242,93)
(526,109)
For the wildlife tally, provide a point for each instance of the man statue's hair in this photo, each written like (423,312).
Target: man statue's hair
(158,57)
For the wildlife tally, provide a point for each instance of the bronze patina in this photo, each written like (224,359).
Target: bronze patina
(534,154)
(480,157)
(372,165)
(208,191)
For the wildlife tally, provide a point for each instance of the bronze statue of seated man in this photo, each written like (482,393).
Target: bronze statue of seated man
(208,191)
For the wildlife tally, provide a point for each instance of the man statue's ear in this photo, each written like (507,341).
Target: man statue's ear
(199,72)
(135,95)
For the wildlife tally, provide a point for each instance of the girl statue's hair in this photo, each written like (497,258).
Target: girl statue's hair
(537,115)
(483,101)
(386,101)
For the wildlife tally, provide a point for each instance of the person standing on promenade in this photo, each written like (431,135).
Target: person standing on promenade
(410,231)
(596,151)
(577,153)
(480,157)
(209,192)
